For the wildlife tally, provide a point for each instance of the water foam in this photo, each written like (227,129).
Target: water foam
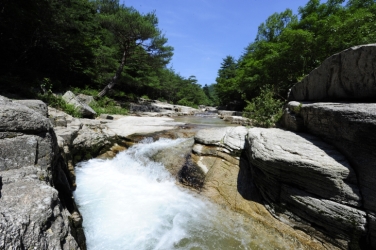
(131,202)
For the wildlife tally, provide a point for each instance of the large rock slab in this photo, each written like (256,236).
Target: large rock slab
(349,74)
(33,214)
(129,125)
(350,127)
(300,173)
(16,117)
(304,161)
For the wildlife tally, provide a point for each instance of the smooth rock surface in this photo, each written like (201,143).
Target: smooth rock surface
(300,173)
(349,74)
(304,161)
(129,125)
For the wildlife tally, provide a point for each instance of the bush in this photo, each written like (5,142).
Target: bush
(59,103)
(264,110)
(106,105)
(185,102)
(85,91)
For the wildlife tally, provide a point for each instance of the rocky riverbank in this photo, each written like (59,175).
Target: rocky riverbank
(315,183)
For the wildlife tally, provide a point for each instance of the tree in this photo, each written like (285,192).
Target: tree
(226,87)
(135,34)
(46,39)
(274,25)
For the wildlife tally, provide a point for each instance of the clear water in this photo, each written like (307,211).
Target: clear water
(131,202)
(213,121)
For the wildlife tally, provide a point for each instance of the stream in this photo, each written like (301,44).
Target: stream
(131,202)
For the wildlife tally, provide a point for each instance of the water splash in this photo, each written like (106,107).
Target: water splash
(131,202)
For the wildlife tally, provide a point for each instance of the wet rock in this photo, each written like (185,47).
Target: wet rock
(223,113)
(174,157)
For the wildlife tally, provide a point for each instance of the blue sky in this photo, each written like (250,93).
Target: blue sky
(203,32)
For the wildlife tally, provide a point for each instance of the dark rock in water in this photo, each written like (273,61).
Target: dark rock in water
(174,157)
(348,75)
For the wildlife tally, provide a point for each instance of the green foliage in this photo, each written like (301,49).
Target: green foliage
(185,102)
(59,103)
(138,39)
(288,47)
(264,110)
(86,91)
(106,105)
(227,87)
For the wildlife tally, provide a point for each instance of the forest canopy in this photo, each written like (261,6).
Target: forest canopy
(105,45)
(89,44)
(288,46)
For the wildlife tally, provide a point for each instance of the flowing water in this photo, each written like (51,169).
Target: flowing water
(131,202)
(208,119)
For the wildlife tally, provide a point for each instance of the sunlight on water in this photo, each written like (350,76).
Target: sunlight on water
(131,202)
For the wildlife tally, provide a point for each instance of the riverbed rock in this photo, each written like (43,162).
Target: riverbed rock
(33,213)
(298,178)
(175,156)
(223,113)
(238,120)
(220,170)
(347,75)
(146,107)
(351,128)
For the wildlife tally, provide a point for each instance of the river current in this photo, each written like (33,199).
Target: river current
(131,202)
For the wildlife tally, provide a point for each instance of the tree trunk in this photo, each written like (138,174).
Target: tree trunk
(115,78)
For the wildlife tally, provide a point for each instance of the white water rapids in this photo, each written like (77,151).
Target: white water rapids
(131,202)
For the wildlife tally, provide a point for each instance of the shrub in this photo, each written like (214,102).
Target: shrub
(264,110)
(59,103)
(106,105)
(185,102)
